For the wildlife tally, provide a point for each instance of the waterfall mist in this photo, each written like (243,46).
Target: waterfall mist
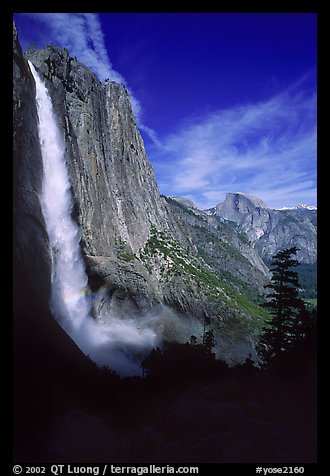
(119,344)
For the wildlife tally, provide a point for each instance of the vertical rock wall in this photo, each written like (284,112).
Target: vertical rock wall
(30,241)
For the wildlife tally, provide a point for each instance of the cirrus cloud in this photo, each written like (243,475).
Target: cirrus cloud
(266,149)
(81,34)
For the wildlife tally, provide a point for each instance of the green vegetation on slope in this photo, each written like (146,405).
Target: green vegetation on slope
(123,254)
(230,297)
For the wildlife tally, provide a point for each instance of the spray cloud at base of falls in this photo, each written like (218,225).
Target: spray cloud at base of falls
(119,344)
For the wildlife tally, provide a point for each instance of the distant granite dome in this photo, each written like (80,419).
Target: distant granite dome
(237,203)
(257,201)
(271,230)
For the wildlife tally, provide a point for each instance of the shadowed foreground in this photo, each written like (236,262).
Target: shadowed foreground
(68,410)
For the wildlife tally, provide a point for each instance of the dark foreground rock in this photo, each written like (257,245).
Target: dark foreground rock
(68,410)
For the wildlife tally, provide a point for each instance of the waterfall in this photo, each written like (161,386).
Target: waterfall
(121,344)
(69,303)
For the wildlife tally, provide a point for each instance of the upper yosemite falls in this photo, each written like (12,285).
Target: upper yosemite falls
(123,268)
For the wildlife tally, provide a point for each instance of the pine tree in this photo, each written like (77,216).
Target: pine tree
(208,339)
(209,342)
(285,305)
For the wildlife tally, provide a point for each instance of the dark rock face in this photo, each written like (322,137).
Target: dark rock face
(30,237)
(271,230)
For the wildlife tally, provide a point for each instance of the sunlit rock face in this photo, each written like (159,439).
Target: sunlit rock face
(113,182)
(116,198)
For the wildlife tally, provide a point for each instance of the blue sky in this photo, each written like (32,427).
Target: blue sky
(224,102)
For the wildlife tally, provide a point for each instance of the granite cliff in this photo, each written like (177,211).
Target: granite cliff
(30,239)
(149,254)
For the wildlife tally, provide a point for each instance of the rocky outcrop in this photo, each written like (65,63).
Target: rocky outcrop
(271,230)
(185,201)
(30,241)
(224,245)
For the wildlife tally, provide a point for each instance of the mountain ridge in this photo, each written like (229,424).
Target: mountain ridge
(300,206)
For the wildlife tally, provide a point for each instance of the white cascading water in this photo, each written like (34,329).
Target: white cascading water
(118,344)
(68,302)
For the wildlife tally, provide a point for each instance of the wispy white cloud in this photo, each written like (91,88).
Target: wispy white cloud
(82,35)
(266,149)
(152,134)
